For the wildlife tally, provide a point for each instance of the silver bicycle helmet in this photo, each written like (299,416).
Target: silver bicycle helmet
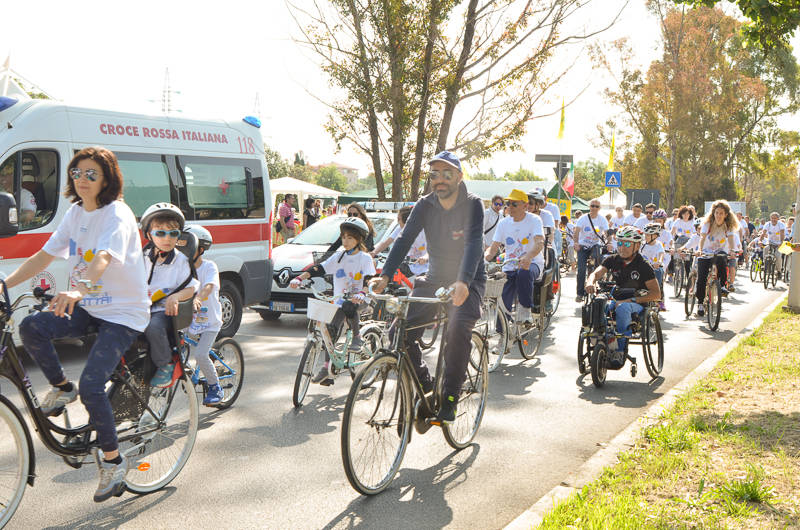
(358,224)
(161,209)
(203,236)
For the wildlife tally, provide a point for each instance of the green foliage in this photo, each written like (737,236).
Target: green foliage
(302,172)
(277,166)
(330,177)
(521,174)
(589,178)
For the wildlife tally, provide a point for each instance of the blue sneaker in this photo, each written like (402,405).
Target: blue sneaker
(214,395)
(195,377)
(163,376)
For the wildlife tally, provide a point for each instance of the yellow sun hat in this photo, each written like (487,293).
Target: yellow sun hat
(517,195)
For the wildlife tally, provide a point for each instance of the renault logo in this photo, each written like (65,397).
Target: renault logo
(283,278)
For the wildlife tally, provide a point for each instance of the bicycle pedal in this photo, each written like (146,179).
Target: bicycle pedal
(56,412)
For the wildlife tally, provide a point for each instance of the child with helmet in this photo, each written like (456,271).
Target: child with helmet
(167,272)
(207,320)
(653,252)
(349,268)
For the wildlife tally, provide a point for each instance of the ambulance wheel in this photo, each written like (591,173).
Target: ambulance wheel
(231,301)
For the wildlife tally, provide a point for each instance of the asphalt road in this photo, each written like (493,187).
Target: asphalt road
(264,463)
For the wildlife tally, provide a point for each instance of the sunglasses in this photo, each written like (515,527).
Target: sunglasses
(76,173)
(498,204)
(354,213)
(625,244)
(165,233)
(445,174)
(513,204)
(594,206)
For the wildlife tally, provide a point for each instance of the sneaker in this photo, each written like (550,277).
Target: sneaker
(661,306)
(732,288)
(196,377)
(724,291)
(355,345)
(447,411)
(701,311)
(427,386)
(579,299)
(321,374)
(56,399)
(112,479)
(214,395)
(163,376)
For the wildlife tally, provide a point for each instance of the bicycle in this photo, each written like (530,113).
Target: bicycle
(597,329)
(387,398)
(712,303)
(769,266)
(156,427)
(320,313)
(228,360)
(756,267)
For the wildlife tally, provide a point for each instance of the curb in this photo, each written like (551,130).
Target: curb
(594,466)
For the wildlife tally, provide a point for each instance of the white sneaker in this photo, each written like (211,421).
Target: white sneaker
(57,399)
(112,479)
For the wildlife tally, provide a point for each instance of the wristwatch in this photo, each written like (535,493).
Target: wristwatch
(87,283)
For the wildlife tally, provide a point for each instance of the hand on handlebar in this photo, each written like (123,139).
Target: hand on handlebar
(460,293)
(378,284)
(64,302)
(525,262)
(590,288)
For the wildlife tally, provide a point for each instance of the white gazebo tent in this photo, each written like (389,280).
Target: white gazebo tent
(300,188)
(611,199)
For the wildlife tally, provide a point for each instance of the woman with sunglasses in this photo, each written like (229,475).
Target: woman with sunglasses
(99,238)
(356,210)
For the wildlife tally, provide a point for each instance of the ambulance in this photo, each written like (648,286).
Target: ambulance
(214,171)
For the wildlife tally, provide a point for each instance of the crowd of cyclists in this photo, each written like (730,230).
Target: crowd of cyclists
(442,244)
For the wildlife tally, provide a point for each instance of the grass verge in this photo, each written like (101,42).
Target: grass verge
(725,455)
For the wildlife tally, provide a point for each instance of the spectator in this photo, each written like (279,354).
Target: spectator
(310,212)
(287,227)
(491,217)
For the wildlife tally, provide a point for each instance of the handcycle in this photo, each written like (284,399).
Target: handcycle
(386,399)
(320,339)
(156,427)
(712,303)
(228,361)
(597,329)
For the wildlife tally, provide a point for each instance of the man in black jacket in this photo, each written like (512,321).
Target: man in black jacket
(453,222)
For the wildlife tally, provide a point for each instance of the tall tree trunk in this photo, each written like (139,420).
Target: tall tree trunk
(673,173)
(451,98)
(433,25)
(372,116)
(397,101)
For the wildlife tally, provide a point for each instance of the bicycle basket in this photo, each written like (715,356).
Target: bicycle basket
(494,288)
(321,311)
(138,371)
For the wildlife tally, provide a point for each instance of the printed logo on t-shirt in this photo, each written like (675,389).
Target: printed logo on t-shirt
(635,275)
(97,294)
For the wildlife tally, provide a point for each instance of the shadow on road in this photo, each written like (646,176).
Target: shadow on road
(625,394)
(116,514)
(514,378)
(415,499)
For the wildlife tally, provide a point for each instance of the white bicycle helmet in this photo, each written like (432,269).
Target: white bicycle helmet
(630,233)
(203,236)
(358,224)
(652,229)
(537,194)
(660,214)
(160,209)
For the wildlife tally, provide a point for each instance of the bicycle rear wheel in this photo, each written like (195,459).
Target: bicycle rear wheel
(306,369)
(753,269)
(496,341)
(15,459)
(773,275)
(530,336)
(376,425)
(689,298)
(678,277)
(471,400)
(653,344)
(768,266)
(229,363)
(714,297)
(157,455)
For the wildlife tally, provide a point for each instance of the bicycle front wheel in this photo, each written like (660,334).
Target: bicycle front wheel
(689,298)
(677,280)
(376,425)
(305,371)
(157,455)
(768,267)
(471,400)
(653,344)
(496,325)
(229,363)
(714,297)
(15,459)
(753,269)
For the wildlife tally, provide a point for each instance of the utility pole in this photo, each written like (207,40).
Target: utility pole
(793,304)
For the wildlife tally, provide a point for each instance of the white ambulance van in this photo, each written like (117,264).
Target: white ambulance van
(215,171)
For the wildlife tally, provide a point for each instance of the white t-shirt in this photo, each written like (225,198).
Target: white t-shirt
(693,243)
(547,219)
(209,318)
(586,237)
(665,238)
(419,248)
(167,276)
(683,228)
(26,201)
(774,231)
(653,253)
(715,241)
(120,295)
(639,222)
(519,239)
(743,224)
(554,211)
(737,242)
(348,273)
(617,221)
(489,218)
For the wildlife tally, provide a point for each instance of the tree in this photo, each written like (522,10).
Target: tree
(589,178)
(302,172)
(772,23)
(330,177)
(522,175)
(299,159)
(277,166)
(413,85)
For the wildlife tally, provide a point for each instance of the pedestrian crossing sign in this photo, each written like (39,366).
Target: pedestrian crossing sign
(613,179)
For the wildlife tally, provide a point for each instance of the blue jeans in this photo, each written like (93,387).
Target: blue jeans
(37,332)
(660,277)
(520,282)
(583,256)
(624,317)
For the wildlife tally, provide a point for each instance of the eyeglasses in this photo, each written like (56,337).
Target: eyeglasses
(513,204)
(165,233)
(594,206)
(498,204)
(353,213)
(76,173)
(649,212)
(626,244)
(446,174)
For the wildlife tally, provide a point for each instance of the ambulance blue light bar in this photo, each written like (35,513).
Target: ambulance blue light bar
(252,120)
(6,102)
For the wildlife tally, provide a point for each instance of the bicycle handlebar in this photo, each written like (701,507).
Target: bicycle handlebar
(442,295)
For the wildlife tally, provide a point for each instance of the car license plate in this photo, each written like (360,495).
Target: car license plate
(283,307)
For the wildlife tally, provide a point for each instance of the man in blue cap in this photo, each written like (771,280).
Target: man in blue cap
(453,222)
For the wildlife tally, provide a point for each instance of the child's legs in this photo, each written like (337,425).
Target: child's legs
(203,359)
(157,334)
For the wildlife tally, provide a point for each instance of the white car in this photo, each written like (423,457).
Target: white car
(293,257)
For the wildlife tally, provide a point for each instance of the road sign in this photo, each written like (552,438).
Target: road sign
(613,179)
(561,170)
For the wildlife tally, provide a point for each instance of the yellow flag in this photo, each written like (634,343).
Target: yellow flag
(611,156)
(561,127)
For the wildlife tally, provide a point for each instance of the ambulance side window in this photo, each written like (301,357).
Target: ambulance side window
(32,177)
(145,180)
(222,188)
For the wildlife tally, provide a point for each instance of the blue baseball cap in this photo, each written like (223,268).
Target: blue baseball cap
(448,158)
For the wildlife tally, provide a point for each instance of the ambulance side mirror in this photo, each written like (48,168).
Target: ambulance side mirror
(8,215)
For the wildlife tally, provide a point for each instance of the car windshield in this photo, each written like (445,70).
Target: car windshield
(325,231)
